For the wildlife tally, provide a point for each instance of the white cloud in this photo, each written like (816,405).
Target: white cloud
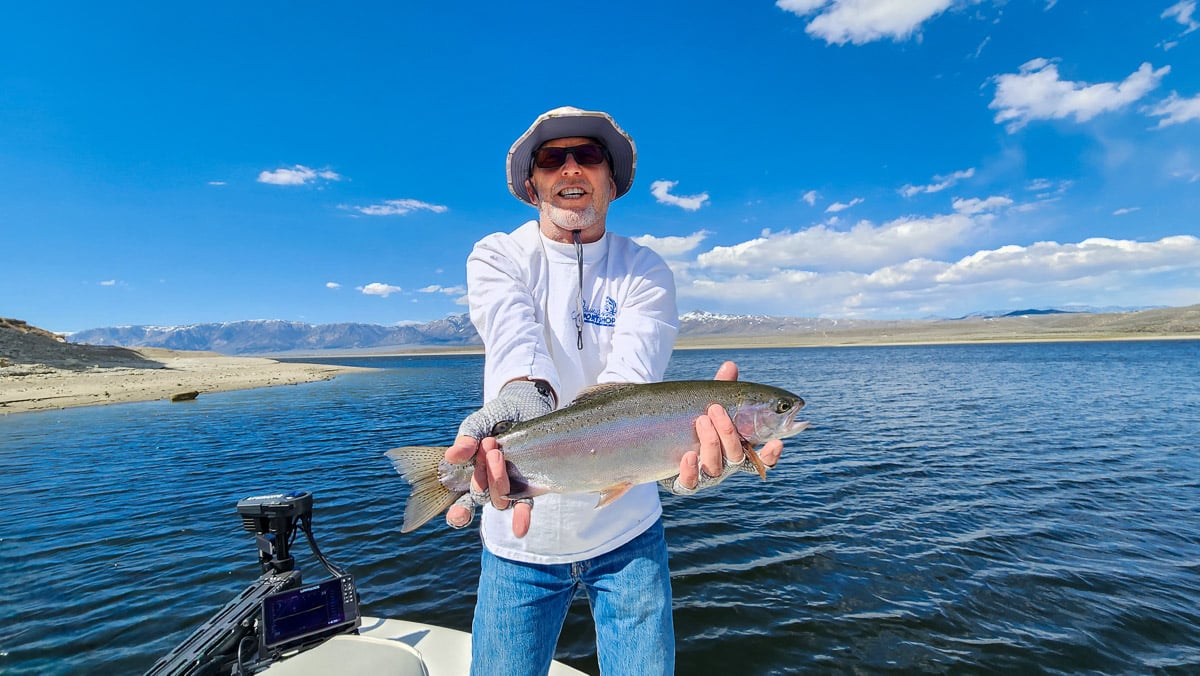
(863,247)
(801,7)
(379,289)
(332,285)
(1182,12)
(216,183)
(1037,93)
(1045,274)
(108,282)
(1046,189)
(811,197)
(661,191)
(1176,110)
(447,290)
(397,208)
(1127,210)
(979,49)
(672,247)
(1053,262)
(842,206)
(297,175)
(977,206)
(939,184)
(863,21)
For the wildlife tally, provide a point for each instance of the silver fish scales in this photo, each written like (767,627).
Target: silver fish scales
(609,439)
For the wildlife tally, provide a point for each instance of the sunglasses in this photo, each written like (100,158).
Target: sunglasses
(553,158)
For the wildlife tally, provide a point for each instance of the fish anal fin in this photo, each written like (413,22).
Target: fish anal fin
(612,493)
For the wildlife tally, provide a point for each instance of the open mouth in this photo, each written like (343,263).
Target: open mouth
(794,424)
(572,193)
(796,427)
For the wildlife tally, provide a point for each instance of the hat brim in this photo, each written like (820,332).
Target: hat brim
(566,124)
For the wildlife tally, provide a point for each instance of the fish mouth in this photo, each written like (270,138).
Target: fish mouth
(794,427)
(765,421)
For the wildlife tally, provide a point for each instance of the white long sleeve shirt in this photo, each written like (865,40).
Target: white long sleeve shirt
(523,292)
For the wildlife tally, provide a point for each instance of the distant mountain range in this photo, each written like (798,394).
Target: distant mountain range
(273,336)
(276,336)
(697,329)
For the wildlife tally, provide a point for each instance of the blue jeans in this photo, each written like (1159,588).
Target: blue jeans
(521,607)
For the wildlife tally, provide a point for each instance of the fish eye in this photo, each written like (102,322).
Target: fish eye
(783,406)
(501,427)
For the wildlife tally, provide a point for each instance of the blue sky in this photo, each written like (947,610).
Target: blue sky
(172,163)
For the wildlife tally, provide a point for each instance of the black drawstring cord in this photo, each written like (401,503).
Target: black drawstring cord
(579,304)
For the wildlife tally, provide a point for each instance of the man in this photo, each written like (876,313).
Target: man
(562,304)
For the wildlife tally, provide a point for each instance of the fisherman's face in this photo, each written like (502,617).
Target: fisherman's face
(574,196)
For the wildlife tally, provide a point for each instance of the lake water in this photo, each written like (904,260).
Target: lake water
(975,508)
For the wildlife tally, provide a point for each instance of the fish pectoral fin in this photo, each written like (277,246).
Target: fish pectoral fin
(755,460)
(612,493)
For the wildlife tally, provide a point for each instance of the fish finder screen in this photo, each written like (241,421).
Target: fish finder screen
(305,611)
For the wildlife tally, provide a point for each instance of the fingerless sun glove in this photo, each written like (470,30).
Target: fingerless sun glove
(518,401)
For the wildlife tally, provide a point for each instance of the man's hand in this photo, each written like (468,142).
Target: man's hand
(490,480)
(518,401)
(720,448)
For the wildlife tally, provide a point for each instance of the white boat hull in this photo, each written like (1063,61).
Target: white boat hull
(391,648)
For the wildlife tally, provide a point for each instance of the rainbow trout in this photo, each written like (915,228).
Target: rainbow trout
(609,439)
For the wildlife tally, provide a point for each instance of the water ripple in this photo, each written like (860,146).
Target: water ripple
(1007,508)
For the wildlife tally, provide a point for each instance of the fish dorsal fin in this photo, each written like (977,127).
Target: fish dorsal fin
(599,390)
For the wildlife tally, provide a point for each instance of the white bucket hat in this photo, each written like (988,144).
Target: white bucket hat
(566,122)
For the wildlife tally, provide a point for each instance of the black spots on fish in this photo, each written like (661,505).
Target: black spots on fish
(428,496)
(602,392)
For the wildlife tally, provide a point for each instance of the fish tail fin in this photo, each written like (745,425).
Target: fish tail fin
(427,496)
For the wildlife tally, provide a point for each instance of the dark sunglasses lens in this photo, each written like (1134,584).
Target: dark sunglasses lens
(550,158)
(553,158)
(589,154)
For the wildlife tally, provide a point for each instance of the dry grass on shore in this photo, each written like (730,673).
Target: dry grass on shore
(38,371)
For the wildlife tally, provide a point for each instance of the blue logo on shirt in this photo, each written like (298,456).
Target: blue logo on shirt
(601,317)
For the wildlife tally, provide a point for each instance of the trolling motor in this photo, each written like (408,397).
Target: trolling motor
(278,614)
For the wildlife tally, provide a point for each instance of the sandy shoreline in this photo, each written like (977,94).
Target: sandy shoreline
(120,375)
(153,374)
